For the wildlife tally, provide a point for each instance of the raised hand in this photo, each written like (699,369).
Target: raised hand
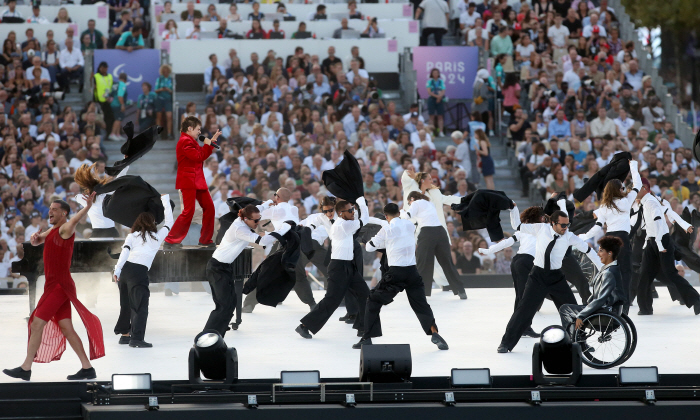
(89,200)
(35,238)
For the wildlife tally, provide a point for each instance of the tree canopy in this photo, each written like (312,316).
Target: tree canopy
(680,16)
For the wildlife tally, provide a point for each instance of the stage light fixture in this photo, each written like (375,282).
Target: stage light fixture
(252,401)
(558,355)
(210,357)
(350,400)
(479,378)
(638,376)
(385,363)
(131,383)
(535,398)
(449,399)
(152,404)
(300,379)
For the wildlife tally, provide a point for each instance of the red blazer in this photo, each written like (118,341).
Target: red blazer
(190,160)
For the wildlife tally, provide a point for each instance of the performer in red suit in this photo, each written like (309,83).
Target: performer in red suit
(50,324)
(191,182)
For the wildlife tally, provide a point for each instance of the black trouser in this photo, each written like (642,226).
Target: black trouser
(220,277)
(433,243)
(392,283)
(526,177)
(343,276)
(108,116)
(663,265)
(520,267)
(105,233)
(572,271)
(636,261)
(540,283)
(624,262)
(437,32)
(568,314)
(302,286)
(133,299)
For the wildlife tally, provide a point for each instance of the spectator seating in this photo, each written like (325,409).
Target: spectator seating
(59,31)
(79,14)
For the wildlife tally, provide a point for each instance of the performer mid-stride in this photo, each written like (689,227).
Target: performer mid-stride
(398,238)
(190,180)
(50,324)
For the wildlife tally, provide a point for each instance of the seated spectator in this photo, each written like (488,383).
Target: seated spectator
(282,10)
(594,27)
(222,31)
(195,30)
(123,24)
(191,13)
(353,13)
(167,10)
(233,15)
(467,19)
(301,32)
(50,60)
(131,40)
(97,39)
(467,262)
(373,30)
(337,34)
(36,15)
(62,16)
(559,127)
(256,31)
(276,32)
(634,76)
(320,13)
(356,71)
(36,64)
(212,15)
(11,11)
(256,14)
(603,125)
(502,43)
(170,31)
(71,61)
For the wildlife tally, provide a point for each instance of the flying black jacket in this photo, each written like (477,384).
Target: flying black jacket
(345,180)
(482,209)
(135,147)
(618,168)
(132,196)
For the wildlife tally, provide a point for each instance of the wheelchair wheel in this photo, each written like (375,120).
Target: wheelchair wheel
(633,344)
(605,340)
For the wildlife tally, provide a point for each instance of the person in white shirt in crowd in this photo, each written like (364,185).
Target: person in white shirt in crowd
(468,17)
(462,155)
(214,63)
(36,63)
(131,274)
(79,160)
(435,16)
(71,61)
(606,155)
(352,120)
(558,35)
(238,236)
(343,274)
(356,71)
(397,238)
(603,125)
(11,10)
(623,123)
(594,27)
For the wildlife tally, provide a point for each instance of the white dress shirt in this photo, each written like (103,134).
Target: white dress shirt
(71,58)
(423,213)
(138,250)
(279,213)
(436,198)
(238,236)
(397,237)
(654,221)
(320,225)
(95,214)
(617,221)
(342,232)
(527,241)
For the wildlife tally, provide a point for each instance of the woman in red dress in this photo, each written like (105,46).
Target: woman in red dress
(50,325)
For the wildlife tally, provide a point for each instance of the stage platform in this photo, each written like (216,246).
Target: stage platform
(267,344)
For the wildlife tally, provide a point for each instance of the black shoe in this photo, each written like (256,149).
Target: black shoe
(139,343)
(439,341)
(303,331)
(645,313)
(344,317)
(247,309)
(696,308)
(18,373)
(124,339)
(502,349)
(462,295)
(168,245)
(363,342)
(530,333)
(209,245)
(654,294)
(350,319)
(360,333)
(83,374)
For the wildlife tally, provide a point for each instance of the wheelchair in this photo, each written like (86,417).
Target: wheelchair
(608,338)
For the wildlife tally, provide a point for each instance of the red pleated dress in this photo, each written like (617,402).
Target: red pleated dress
(55,303)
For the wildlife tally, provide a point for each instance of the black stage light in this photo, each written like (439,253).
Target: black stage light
(558,355)
(212,358)
(385,363)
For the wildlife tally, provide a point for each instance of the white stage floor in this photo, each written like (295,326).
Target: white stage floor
(267,344)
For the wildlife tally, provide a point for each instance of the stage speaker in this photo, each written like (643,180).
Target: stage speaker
(385,363)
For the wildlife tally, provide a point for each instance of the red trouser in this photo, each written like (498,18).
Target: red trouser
(182,224)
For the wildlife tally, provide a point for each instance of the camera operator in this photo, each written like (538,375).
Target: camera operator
(571,104)
(588,97)
(374,96)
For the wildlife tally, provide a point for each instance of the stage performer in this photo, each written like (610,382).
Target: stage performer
(343,273)
(191,182)
(658,256)
(398,238)
(50,324)
(131,274)
(86,177)
(546,277)
(320,224)
(433,244)
(422,182)
(219,268)
(614,211)
(607,290)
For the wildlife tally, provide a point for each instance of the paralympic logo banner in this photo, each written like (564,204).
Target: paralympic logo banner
(139,65)
(457,65)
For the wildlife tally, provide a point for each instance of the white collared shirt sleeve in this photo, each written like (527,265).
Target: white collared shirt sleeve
(515,217)
(579,244)
(532,228)
(124,255)
(163,232)
(675,217)
(377,242)
(499,246)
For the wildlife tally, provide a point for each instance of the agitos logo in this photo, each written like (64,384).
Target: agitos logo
(118,70)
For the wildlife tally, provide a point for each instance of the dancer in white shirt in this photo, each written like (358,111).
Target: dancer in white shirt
(397,237)
(131,273)
(219,268)
(86,177)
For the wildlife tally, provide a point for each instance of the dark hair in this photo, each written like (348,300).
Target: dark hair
(63,204)
(190,122)
(612,191)
(391,209)
(144,224)
(532,215)
(248,211)
(612,244)
(328,201)
(416,195)
(557,215)
(102,64)
(340,205)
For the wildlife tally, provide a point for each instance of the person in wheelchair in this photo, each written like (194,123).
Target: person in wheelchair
(607,291)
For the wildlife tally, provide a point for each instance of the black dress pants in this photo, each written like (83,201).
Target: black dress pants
(343,276)
(302,286)
(433,243)
(396,280)
(133,299)
(574,275)
(220,277)
(520,267)
(437,32)
(662,265)
(636,263)
(540,283)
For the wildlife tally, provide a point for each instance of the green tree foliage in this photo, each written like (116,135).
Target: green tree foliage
(679,16)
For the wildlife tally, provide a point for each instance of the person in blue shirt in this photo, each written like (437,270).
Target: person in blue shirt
(578,154)
(131,40)
(147,107)
(559,127)
(118,107)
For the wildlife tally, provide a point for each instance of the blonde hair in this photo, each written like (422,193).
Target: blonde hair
(86,176)
(420,177)
(165,66)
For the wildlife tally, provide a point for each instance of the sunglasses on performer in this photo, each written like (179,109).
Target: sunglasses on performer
(256,220)
(350,210)
(563,225)
(328,211)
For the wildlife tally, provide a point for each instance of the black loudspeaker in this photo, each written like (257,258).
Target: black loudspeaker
(385,363)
